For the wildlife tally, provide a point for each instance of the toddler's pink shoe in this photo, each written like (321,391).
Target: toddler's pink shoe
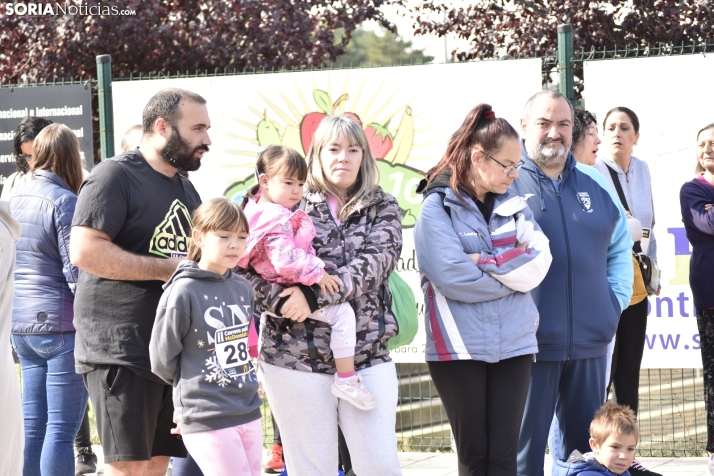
(354,391)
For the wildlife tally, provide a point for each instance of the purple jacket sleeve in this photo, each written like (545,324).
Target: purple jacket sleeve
(692,199)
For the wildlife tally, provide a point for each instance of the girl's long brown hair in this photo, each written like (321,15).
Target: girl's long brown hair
(56,149)
(480,128)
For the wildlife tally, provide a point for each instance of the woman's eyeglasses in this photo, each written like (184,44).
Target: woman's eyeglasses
(507,169)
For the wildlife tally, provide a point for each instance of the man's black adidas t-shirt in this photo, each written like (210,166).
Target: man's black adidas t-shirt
(146,213)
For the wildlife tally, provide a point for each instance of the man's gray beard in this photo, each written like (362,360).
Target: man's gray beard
(550,158)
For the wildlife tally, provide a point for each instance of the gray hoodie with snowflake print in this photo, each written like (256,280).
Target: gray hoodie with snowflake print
(199,344)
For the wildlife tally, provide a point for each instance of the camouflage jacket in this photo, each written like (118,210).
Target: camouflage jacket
(362,252)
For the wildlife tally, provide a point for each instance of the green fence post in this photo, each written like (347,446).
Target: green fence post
(566,76)
(106,113)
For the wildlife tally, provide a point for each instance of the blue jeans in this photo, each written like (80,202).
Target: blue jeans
(54,400)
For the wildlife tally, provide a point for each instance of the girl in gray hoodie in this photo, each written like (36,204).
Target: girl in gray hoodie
(199,344)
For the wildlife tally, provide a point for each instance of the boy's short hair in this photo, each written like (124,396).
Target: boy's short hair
(613,418)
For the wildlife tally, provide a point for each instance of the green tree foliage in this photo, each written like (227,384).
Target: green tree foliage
(367,47)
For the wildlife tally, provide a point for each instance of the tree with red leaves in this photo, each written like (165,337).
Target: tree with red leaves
(520,28)
(180,36)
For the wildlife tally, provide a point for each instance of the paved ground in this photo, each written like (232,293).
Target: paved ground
(444,464)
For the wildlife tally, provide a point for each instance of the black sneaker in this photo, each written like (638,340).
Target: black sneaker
(86,462)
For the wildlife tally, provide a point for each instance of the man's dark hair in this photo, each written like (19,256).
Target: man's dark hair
(583,120)
(165,104)
(27,130)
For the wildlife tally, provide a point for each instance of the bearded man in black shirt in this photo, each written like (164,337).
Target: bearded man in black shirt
(131,228)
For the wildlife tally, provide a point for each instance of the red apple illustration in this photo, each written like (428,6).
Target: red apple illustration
(308,126)
(354,116)
(309,123)
(380,140)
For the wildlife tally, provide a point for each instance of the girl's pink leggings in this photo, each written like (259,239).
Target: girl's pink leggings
(234,451)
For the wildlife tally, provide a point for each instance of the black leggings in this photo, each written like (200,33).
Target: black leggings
(83,438)
(627,356)
(484,403)
(705,322)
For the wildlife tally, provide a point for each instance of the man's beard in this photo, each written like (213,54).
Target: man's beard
(179,153)
(549,157)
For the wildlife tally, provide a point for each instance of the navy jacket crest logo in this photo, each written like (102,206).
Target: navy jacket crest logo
(584,200)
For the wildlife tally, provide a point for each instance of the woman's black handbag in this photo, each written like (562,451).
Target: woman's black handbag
(650,273)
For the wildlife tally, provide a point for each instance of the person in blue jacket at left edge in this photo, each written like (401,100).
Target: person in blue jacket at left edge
(588,284)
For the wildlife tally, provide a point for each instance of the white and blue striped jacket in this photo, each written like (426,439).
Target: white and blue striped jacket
(478,311)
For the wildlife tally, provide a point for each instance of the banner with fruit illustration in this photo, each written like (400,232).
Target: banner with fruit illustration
(408,114)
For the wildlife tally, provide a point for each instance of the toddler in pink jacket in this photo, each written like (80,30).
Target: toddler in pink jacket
(279,248)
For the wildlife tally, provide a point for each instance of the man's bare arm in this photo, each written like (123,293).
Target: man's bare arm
(93,251)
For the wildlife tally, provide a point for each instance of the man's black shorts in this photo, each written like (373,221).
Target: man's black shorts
(134,415)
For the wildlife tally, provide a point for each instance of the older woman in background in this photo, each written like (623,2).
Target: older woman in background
(696,199)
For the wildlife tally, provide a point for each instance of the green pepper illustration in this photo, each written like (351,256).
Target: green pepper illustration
(237,190)
(401,181)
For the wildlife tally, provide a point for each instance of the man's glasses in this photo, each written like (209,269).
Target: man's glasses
(507,169)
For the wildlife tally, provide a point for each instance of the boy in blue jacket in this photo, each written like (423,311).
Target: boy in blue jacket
(588,284)
(613,440)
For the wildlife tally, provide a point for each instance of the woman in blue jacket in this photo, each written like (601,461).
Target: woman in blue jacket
(480,319)
(54,397)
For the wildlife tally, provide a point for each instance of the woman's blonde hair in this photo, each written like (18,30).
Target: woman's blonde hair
(699,169)
(331,130)
(56,149)
(216,214)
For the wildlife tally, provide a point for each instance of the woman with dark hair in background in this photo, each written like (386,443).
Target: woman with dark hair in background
(54,396)
(22,148)
(621,130)
(585,138)
(697,199)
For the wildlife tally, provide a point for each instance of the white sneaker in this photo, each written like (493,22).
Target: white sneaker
(354,391)
(710,466)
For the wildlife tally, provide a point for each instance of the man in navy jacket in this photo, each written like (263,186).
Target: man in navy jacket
(587,287)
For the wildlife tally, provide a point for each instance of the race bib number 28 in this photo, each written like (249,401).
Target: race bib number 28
(232,350)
